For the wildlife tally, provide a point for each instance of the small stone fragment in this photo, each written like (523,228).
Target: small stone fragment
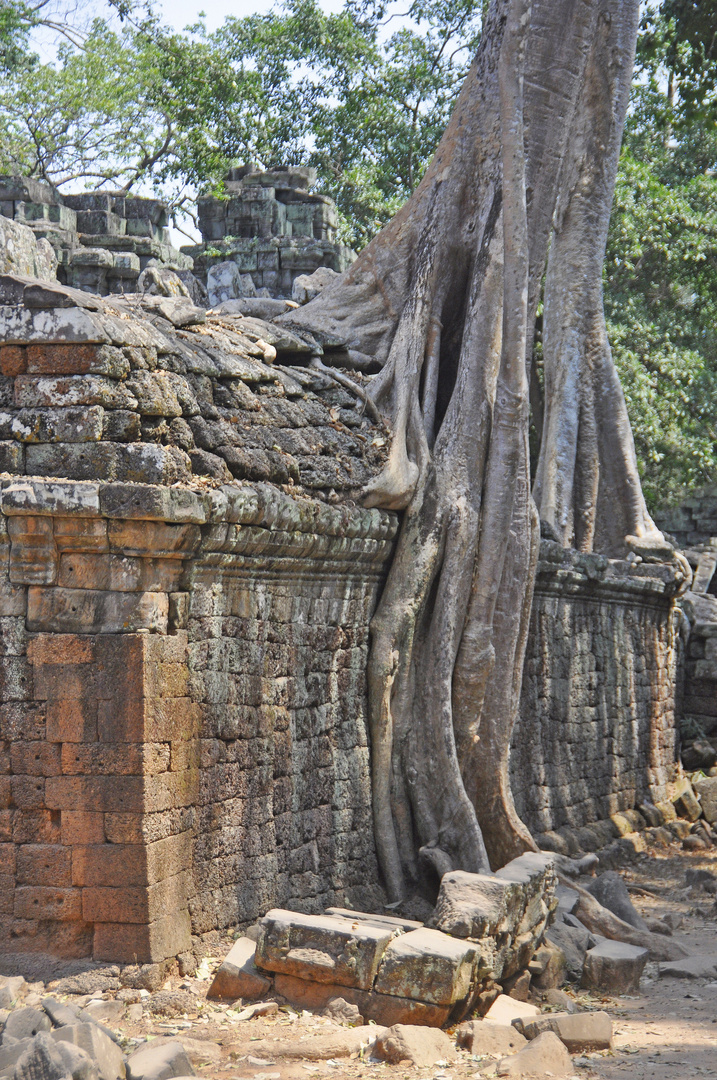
(544,1056)
(260,1008)
(479,1037)
(421,1046)
(561,1000)
(580,1032)
(108,1012)
(10,989)
(237,976)
(152,1062)
(505,1010)
(614,966)
(343,1012)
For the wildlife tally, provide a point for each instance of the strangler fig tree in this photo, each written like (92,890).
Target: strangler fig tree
(517,196)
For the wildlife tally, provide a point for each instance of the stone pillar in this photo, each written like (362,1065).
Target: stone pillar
(124,745)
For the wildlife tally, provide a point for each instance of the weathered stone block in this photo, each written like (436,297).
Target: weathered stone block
(85,611)
(614,966)
(43,391)
(321,948)
(132,943)
(46,902)
(579,1032)
(428,966)
(237,976)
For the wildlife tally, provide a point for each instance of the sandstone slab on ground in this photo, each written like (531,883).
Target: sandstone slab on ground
(322,948)
(380,1008)
(427,965)
(580,1032)
(614,966)
(419,1045)
(479,1037)
(152,1062)
(335,1044)
(505,1010)
(544,1056)
(692,967)
(237,976)
(477,905)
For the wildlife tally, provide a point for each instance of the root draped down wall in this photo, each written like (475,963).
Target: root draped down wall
(446,297)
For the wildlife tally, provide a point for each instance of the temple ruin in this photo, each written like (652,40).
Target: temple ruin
(187,585)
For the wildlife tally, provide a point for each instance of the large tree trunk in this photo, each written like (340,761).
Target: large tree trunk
(587,485)
(445,299)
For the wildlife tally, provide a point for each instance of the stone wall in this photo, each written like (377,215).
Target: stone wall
(101,241)
(182,721)
(597,730)
(271,226)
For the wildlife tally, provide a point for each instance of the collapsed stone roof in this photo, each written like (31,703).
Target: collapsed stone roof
(151,389)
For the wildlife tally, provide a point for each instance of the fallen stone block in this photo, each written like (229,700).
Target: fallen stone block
(379,1008)
(10,988)
(427,965)
(707,790)
(686,804)
(505,1010)
(237,976)
(496,1040)
(321,948)
(481,905)
(78,1063)
(573,942)
(561,1000)
(703,879)
(343,1012)
(107,1056)
(548,966)
(25,1023)
(614,966)
(152,1062)
(568,899)
(110,1012)
(544,1056)
(610,890)
(199,1051)
(419,1045)
(40,1060)
(10,1054)
(517,986)
(336,1044)
(579,1032)
(692,967)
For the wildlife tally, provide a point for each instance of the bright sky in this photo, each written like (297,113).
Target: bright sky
(181,13)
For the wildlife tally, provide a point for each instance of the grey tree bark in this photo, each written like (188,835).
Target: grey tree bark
(445,298)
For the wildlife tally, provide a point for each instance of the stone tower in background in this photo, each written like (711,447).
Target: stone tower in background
(271,226)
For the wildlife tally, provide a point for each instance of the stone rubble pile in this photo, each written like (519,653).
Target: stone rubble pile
(153,389)
(101,242)
(270,230)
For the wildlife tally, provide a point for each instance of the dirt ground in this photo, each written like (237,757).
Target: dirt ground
(668,1032)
